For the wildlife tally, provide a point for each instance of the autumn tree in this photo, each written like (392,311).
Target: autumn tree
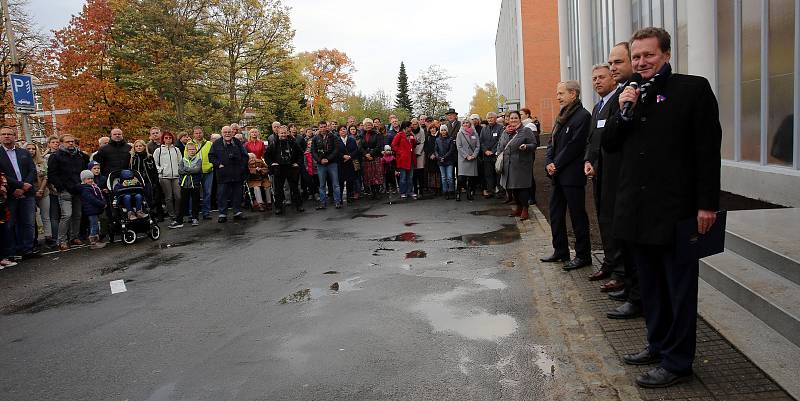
(403,101)
(255,41)
(87,77)
(485,99)
(329,78)
(430,91)
(29,43)
(375,105)
(165,45)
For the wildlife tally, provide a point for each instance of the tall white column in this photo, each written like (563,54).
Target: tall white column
(702,36)
(563,38)
(520,53)
(622,21)
(585,32)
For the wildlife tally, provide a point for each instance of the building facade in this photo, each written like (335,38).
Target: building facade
(527,54)
(749,50)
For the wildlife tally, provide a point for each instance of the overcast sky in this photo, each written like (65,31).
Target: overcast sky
(455,34)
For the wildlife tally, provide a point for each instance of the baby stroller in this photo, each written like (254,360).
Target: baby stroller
(120,223)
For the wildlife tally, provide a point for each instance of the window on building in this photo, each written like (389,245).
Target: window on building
(751,81)
(780,121)
(725,75)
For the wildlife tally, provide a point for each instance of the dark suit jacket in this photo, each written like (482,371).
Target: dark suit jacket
(567,148)
(453,127)
(27,170)
(670,160)
(606,164)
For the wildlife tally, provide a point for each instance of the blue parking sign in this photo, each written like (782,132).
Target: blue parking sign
(22,91)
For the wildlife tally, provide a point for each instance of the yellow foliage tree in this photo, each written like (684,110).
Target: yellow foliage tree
(485,99)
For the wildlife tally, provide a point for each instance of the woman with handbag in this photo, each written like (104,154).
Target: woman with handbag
(468,147)
(516,159)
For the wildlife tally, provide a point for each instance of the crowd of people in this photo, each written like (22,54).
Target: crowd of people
(652,160)
(56,195)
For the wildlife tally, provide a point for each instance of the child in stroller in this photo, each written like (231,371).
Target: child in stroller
(129,192)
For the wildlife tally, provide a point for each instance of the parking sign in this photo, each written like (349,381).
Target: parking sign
(22,91)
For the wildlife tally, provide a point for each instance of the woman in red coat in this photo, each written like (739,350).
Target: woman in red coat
(403,147)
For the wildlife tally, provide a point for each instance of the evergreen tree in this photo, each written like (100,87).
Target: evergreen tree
(403,101)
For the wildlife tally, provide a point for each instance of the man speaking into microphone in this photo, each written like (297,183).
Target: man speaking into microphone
(669,133)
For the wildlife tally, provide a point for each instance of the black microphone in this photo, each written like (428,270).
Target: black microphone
(636,78)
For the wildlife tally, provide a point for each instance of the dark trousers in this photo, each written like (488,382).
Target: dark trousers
(467,183)
(669,299)
(419,180)
(189,196)
(229,194)
(283,174)
(489,173)
(521,196)
(631,275)
(613,261)
(573,198)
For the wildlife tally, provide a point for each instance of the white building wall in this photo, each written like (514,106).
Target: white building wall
(508,52)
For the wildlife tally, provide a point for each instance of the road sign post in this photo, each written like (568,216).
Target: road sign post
(22,91)
(12,46)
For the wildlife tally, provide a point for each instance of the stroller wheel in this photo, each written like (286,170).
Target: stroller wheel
(129,237)
(155,232)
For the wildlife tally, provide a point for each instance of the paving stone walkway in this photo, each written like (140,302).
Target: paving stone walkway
(721,371)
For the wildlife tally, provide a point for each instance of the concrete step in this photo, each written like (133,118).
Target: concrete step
(771,297)
(778,357)
(770,238)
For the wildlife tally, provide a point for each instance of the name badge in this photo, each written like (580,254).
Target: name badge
(601,123)
(494,134)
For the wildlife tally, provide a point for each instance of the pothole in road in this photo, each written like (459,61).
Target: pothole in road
(506,235)
(416,254)
(403,237)
(479,325)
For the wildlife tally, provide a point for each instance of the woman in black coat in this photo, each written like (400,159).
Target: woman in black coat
(348,148)
(144,164)
(371,147)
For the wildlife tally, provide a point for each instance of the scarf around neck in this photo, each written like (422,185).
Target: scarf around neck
(568,110)
(655,82)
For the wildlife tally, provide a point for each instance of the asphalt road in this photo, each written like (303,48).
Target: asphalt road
(245,311)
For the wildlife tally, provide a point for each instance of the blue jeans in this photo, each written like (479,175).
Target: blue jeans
(22,224)
(208,181)
(131,202)
(94,225)
(229,193)
(329,170)
(447,179)
(406,181)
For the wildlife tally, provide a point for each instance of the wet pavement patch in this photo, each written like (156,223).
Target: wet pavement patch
(473,324)
(403,237)
(506,235)
(379,250)
(416,254)
(410,223)
(331,272)
(164,261)
(335,286)
(496,212)
(128,262)
(368,216)
(176,244)
(298,296)
(70,295)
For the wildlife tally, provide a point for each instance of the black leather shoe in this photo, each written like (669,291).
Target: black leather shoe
(625,311)
(642,358)
(278,211)
(618,296)
(300,209)
(577,263)
(555,258)
(660,378)
(458,196)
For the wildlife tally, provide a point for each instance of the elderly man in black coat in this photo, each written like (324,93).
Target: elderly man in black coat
(115,156)
(670,142)
(564,166)
(229,158)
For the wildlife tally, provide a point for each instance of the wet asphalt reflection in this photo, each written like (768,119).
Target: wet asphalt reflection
(416,300)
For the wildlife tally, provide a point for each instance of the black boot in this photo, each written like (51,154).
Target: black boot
(470,196)
(458,196)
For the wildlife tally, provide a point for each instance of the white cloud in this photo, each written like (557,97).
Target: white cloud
(377,34)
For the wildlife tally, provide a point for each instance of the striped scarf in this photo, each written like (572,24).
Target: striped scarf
(655,81)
